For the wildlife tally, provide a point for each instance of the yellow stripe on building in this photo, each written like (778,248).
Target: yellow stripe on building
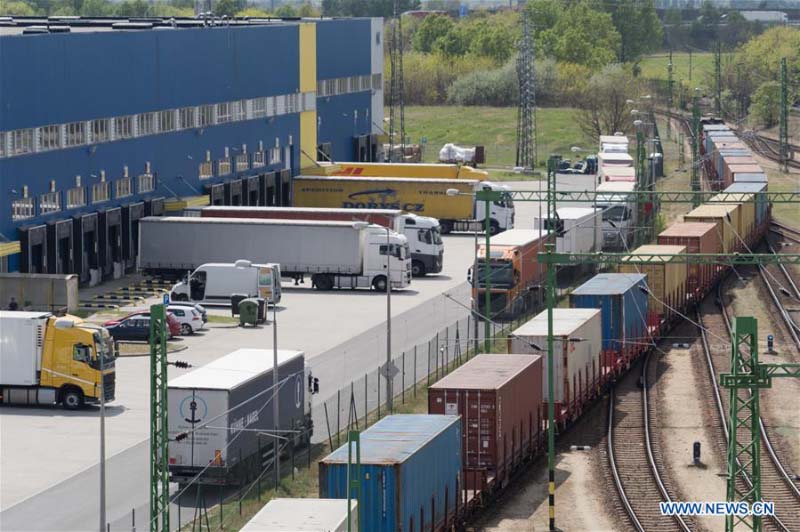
(178,204)
(308,83)
(10,248)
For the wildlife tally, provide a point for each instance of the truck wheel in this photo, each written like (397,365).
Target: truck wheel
(446,227)
(417,268)
(494,227)
(324,282)
(72,399)
(379,283)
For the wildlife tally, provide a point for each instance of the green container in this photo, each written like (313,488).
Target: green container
(248,312)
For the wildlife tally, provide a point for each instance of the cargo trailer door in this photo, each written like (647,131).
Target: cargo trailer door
(201,414)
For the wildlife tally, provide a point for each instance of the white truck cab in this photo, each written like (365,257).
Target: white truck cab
(619,214)
(425,242)
(383,252)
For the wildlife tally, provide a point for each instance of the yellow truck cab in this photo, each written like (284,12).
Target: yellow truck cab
(47,360)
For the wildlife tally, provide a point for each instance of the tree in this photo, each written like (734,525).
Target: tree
(454,43)
(365,8)
(493,40)
(430,30)
(20,9)
(582,35)
(286,11)
(604,107)
(252,12)
(765,103)
(132,8)
(639,28)
(96,8)
(228,8)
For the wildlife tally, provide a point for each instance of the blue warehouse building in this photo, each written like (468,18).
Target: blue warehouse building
(103,122)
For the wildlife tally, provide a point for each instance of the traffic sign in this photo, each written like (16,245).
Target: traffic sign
(166,299)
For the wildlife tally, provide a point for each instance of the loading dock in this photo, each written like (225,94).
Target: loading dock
(131,214)
(86,248)
(154,207)
(33,241)
(284,190)
(250,193)
(266,187)
(233,192)
(110,225)
(216,194)
(60,247)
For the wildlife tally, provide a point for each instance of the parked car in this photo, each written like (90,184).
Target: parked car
(189,318)
(172,323)
(130,328)
(197,306)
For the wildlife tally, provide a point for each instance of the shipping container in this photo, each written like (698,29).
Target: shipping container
(614,159)
(745,215)
(730,165)
(612,173)
(499,399)
(733,169)
(582,230)
(698,237)
(410,473)
(304,515)
(746,177)
(622,300)
(666,281)
(762,203)
(719,215)
(719,155)
(577,368)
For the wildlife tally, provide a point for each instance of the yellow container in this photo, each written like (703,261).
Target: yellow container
(746,212)
(666,279)
(408,170)
(724,216)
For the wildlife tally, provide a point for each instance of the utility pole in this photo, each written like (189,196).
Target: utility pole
(690,64)
(159,429)
(784,119)
(718,80)
(670,101)
(397,126)
(641,182)
(526,110)
(695,146)
(487,196)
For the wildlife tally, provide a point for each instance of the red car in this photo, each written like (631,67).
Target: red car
(172,322)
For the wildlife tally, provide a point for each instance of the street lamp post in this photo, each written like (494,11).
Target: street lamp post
(100,358)
(551,301)
(389,376)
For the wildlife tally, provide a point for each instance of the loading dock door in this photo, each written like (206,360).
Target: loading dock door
(251,191)
(217,194)
(60,247)
(233,192)
(361,148)
(285,197)
(131,214)
(85,248)
(33,241)
(267,188)
(373,148)
(154,207)
(111,243)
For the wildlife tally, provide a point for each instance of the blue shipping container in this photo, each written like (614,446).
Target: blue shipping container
(758,189)
(623,303)
(410,471)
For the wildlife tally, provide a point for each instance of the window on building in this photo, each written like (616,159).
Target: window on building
(100,192)
(366,82)
(259,159)
(271,105)
(259,107)
(145,183)
(75,134)
(278,104)
(223,113)
(310,101)
(354,84)
(187,117)
(290,104)
(224,166)
(206,170)
(2,144)
(377,82)
(21,141)
(205,115)
(239,110)
(123,188)
(49,202)
(123,127)
(166,121)
(22,209)
(49,137)
(146,124)
(321,89)
(330,87)
(275,155)
(341,86)
(76,197)
(100,130)
(242,162)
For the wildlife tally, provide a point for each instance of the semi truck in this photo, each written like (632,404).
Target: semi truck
(619,213)
(452,201)
(47,360)
(221,416)
(613,144)
(335,254)
(423,232)
(215,283)
(413,170)
(514,273)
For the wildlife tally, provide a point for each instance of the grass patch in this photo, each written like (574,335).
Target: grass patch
(216,318)
(495,128)
(655,66)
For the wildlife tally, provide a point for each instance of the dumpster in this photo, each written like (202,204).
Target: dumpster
(235,300)
(248,312)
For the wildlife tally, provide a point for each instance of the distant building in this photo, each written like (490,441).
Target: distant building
(767,17)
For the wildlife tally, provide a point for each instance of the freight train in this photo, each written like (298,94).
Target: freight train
(491,420)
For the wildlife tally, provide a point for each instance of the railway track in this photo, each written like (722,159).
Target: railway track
(634,463)
(777,485)
(785,231)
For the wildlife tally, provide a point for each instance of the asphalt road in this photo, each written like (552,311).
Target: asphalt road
(50,462)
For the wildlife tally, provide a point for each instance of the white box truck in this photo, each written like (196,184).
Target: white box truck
(619,213)
(217,413)
(335,254)
(423,232)
(580,229)
(215,283)
(304,515)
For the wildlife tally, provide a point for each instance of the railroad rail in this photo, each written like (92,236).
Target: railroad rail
(639,492)
(786,231)
(777,485)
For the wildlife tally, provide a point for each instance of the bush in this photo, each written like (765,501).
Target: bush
(765,104)
(497,88)
(427,76)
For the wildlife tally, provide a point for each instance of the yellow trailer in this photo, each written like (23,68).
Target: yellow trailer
(457,211)
(410,170)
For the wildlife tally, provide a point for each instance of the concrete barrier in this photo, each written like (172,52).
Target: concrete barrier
(39,291)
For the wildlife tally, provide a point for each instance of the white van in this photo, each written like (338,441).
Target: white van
(215,283)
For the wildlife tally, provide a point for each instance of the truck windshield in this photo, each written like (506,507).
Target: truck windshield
(401,251)
(436,233)
(506,201)
(430,236)
(501,274)
(617,213)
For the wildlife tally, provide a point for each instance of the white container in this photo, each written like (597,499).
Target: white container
(615,159)
(21,341)
(583,229)
(577,341)
(304,515)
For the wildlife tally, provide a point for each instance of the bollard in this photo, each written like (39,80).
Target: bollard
(696,453)
(133,519)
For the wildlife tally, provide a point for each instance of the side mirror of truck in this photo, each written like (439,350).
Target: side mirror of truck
(469,275)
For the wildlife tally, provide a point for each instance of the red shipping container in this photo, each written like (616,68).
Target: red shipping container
(698,237)
(499,398)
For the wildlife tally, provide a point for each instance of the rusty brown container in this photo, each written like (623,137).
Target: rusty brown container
(698,237)
(499,399)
